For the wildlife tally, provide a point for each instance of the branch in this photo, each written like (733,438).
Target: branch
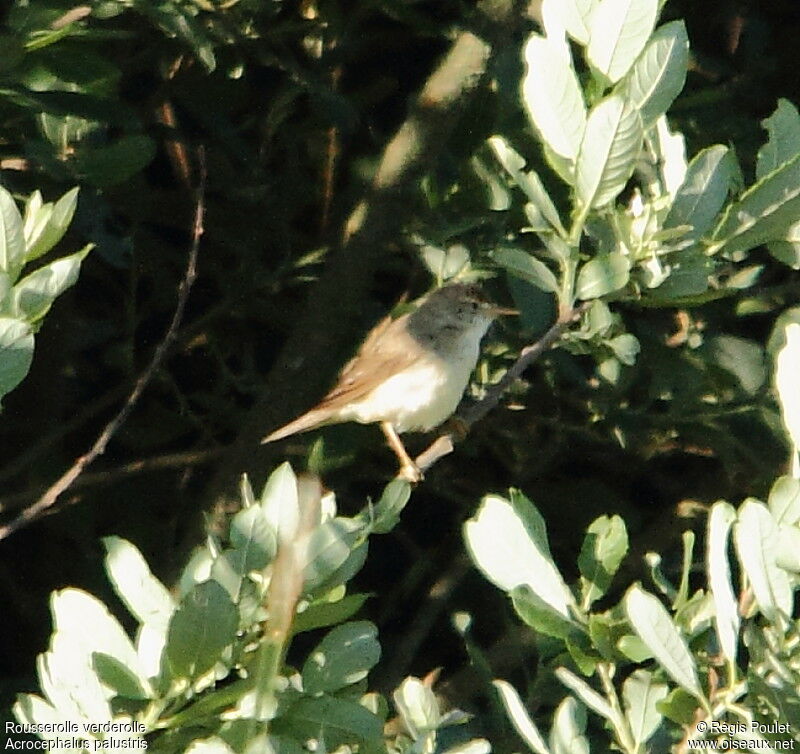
(472,412)
(49,499)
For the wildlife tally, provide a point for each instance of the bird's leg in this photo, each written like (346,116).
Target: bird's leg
(408,469)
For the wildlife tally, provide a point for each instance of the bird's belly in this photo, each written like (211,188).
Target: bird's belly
(417,399)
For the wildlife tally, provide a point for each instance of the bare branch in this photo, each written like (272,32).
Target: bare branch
(51,496)
(472,412)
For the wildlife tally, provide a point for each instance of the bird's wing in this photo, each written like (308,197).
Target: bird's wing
(387,349)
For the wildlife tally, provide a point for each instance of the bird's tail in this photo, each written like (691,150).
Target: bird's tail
(311,420)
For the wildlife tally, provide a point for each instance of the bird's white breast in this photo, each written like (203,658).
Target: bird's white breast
(423,395)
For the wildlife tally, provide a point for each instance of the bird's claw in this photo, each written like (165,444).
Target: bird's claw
(411,473)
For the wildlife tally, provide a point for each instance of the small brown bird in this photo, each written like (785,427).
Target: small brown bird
(410,373)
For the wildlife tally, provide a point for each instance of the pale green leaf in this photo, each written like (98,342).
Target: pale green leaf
(654,626)
(783,127)
(16,353)
(726,614)
(765,212)
(58,217)
(756,536)
(552,96)
(142,593)
(619,31)
(528,268)
(787,367)
(608,152)
(520,718)
(604,547)
(784,500)
(417,705)
(508,545)
(586,694)
(659,73)
(669,154)
(32,296)
(703,191)
(528,181)
(569,725)
(330,547)
(641,694)
(602,275)
(12,237)
(626,348)
(280,503)
(573,16)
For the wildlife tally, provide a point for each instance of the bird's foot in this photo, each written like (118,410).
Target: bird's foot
(411,473)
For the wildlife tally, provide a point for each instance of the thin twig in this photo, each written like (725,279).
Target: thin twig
(116,474)
(473,412)
(49,499)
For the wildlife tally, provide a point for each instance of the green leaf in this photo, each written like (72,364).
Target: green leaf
(387,510)
(253,537)
(619,31)
(445,264)
(116,163)
(520,718)
(626,348)
(120,678)
(785,346)
(784,500)
(142,593)
(586,694)
(756,537)
(608,152)
(203,625)
(330,547)
(659,73)
(12,237)
(280,503)
(654,626)
(417,705)
(783,127)
(602,275)
(537,614)
(33,296)
(679,706)
(342,658)
(703,191)
(787,252)
(765,212)
(508,543)
(528,268)
(45,235)
(552,96)
(322,614)
(528,181)
(602,552)
(571,15)
(726,613)
(569,725)
(16,353)
(338,721)
(641,695)
(742,358)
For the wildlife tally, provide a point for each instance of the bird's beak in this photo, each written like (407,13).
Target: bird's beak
(501,311)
